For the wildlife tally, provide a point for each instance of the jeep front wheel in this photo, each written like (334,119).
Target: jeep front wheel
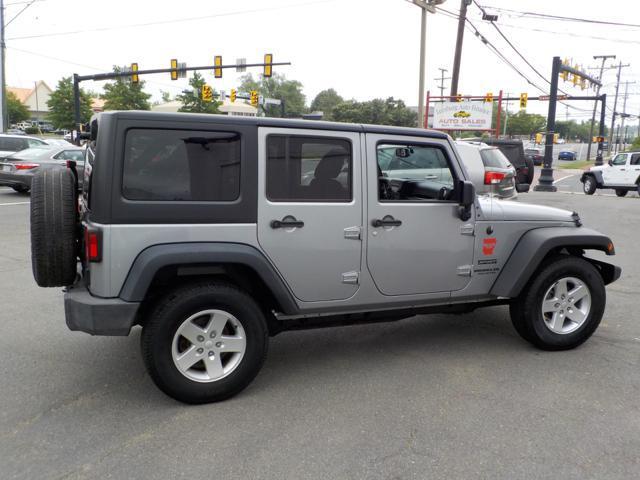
(562,305)
(589,185)
(204,343)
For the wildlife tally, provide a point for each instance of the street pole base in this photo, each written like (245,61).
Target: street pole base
(545,188)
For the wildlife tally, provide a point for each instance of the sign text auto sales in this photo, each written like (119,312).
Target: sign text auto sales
(462,115)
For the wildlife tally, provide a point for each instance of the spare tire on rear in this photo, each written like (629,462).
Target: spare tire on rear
(53,227)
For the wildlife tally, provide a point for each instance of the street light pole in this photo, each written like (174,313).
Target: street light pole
(3,91)
(423,54)
(426,6)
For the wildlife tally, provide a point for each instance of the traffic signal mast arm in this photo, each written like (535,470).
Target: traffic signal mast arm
(111,75)
(578,73)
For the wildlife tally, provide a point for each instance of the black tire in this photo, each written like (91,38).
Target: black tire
(621,193)
(20,188)
(53,227)
(172,311)
(530,165)
(526,311)
(589,186)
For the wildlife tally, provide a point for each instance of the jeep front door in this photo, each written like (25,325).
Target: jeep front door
(416,241)
(613,175)
(310,210)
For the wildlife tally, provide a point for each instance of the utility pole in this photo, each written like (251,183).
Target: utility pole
(442,79)
(615,104)
(595,104)
(624,107)
(3,90)
(506,116)
(455,76)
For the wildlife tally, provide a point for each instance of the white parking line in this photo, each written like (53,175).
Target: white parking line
(563,178)
(14,203)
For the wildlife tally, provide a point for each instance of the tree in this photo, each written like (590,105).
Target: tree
(16,110)
(166,96)
(122,94)
(278,87)
(377,111)
(325,101)
(523,123)
(61,105)
(192,100)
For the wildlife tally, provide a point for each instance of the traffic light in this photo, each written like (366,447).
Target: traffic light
(268,69)
(207,93)
(523,100)
(232,96)
(253,95)
(217,62)
(134,76)
(555,137)
(459,97)
(174,69)
(576,78)
(488,97)
(538,138)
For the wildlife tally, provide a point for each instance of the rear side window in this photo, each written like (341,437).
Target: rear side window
(12,144)
(635,159)
(308,169)
(492,157)
(189,165)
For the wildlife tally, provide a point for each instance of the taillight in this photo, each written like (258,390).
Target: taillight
(25,166)
(93,245)
(493,178)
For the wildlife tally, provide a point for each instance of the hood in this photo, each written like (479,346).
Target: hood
(597,169)
(494,209)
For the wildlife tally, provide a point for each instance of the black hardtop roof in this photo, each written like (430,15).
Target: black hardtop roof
(272,122)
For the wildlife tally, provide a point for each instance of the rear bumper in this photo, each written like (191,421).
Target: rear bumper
(98,316)
(14,180)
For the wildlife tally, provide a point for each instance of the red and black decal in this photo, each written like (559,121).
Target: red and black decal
(488,246)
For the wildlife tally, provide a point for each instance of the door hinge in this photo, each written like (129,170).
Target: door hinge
(467,229)
(352,233)
(465,270)
(351,278)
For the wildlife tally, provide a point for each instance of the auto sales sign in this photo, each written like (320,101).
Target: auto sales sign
(462,115)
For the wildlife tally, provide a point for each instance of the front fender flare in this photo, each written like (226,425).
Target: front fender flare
(597,175)
(535,245)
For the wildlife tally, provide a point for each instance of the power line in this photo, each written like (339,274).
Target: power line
(502,57)
(19,13)
(547,16)
(166,22)
(571,34)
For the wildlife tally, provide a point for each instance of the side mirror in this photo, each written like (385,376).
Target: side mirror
(467,196)
(467,193)
(610,162)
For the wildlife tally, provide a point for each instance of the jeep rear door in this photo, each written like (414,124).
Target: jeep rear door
(416,242)
(310,209)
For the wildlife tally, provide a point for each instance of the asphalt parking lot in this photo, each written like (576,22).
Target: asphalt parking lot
(429,397)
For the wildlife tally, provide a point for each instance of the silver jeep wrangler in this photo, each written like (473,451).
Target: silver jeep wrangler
(214,233)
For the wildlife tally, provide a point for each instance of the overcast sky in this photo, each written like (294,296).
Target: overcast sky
(362,48)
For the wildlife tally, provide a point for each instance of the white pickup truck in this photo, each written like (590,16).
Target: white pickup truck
(622,174)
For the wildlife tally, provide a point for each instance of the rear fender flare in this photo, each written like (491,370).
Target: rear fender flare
(152,259)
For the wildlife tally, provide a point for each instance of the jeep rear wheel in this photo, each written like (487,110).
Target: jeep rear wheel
(562,305)
(620,192)
(205,342)
(589,185)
